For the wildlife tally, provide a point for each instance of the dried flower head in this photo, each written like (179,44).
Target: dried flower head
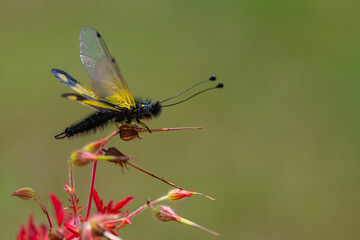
(128,132)
(118,157)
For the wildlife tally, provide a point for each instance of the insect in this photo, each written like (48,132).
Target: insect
(109,94)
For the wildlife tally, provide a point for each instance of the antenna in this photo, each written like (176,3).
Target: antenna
(212,78)
(220,85)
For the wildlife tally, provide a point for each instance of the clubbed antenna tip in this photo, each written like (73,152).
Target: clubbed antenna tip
(220,85)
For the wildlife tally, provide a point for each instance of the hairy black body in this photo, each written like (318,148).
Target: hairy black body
(144,109)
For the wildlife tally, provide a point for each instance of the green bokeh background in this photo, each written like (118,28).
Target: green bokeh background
(280,145)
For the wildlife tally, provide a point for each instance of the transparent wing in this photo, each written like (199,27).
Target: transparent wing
(101,67)
(92,48)
(107,84)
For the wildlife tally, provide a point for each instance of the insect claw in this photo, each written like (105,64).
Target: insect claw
(148,129)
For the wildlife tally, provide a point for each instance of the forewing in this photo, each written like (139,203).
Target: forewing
(101,67)
(108,85)
(92,48)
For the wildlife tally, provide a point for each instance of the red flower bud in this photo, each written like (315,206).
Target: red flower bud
(165,214)
(80,158)
(25,193)
(177,194)
(94,146)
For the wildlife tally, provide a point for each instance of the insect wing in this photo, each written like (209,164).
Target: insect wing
(101,67)
(106,81)
(92,48)
(74,84)
(88,102)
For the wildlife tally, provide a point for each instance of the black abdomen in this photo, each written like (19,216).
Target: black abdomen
(97,120)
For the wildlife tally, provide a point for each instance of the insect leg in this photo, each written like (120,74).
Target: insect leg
(145,126)
(118,127)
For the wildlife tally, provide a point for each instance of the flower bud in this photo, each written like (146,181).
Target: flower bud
(25,193)
(177,194)
(80,158)
(94,146)
(165,214)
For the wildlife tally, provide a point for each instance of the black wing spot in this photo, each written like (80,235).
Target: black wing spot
(98,34)
(113,60)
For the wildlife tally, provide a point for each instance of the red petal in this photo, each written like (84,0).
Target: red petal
(122,203)
(110,225)
(44,232)
(72,229)
(22,234)
(71,237)
(109,206)
(33,231)
(103,210)
(58,208)
(98,202)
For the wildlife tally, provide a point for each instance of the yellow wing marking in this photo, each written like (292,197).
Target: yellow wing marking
(63,77)
(87,101)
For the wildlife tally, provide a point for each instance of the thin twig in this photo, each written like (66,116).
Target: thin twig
(153,175)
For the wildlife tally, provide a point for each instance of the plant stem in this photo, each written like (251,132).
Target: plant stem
(43,207)
(152,175)
(72,194)
(93,173)
(167,129)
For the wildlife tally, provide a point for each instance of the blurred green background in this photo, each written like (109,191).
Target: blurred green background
(280,145)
